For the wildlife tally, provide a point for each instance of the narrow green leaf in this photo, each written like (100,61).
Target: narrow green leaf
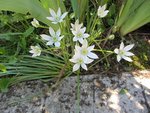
(28,31)
(3,68)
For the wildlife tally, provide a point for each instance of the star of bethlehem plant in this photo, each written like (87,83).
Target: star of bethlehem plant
(79,32)
(83,52)
(54,37)
(83,56)
(56,17)
(35,51)
(102,12)
(35,23)
(123,52)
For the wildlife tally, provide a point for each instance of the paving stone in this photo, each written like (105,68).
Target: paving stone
(123,93)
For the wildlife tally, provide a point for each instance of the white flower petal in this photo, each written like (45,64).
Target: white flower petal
(35,50)
(84,66)
(52,32)
(104,7)
(92,55)
(74,32)
(52,12)
(59,12)
(86,35)
(55,22)
(45,37)
(80,40)
(77,48)
(83,29)
(127,58)
(73,60)
(31,51)
(50,18)
(76,67)
(121,46)
(90,48)
(127,48)
(57,44)
(59,39)
(118,58)
(35,23)
(85,44)
(75,39)
(128,54)
(88,60)
(104,14)
(64,15)
(49,43)
(116,50)
(58,32)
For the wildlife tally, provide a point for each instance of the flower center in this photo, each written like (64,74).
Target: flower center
(37,50)
(121,52)
(80,61)
(79,35)
(55,39)
(84,52)
(57,18)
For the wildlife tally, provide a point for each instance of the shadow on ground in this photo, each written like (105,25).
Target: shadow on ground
(99,94)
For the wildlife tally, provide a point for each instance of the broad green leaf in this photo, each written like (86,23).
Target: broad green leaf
(137,19)
(133,14)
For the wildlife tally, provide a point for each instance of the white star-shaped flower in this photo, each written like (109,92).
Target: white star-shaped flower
(80,62)
(56,17)
(35,50)
(54,37)
(123,52)
(35,23)
(78,32)
(102,12)
(85,50)
(76,25)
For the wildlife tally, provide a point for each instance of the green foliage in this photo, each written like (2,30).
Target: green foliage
(32,68)
(133,14)
(80,7)
(33,7)
(17,35)
(3,68)
(4,84)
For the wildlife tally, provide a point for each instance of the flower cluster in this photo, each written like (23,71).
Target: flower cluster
(83,54)
(55,37)
(79,32)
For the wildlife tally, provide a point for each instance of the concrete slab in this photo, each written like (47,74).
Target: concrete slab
(99,94)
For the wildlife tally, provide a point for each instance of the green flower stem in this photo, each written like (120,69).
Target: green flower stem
(48,51)
(102,52)
(107,51)
(78,92)
(100,60)
(63,45)
(96,19)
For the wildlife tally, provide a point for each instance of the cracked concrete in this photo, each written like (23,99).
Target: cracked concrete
(99,94)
